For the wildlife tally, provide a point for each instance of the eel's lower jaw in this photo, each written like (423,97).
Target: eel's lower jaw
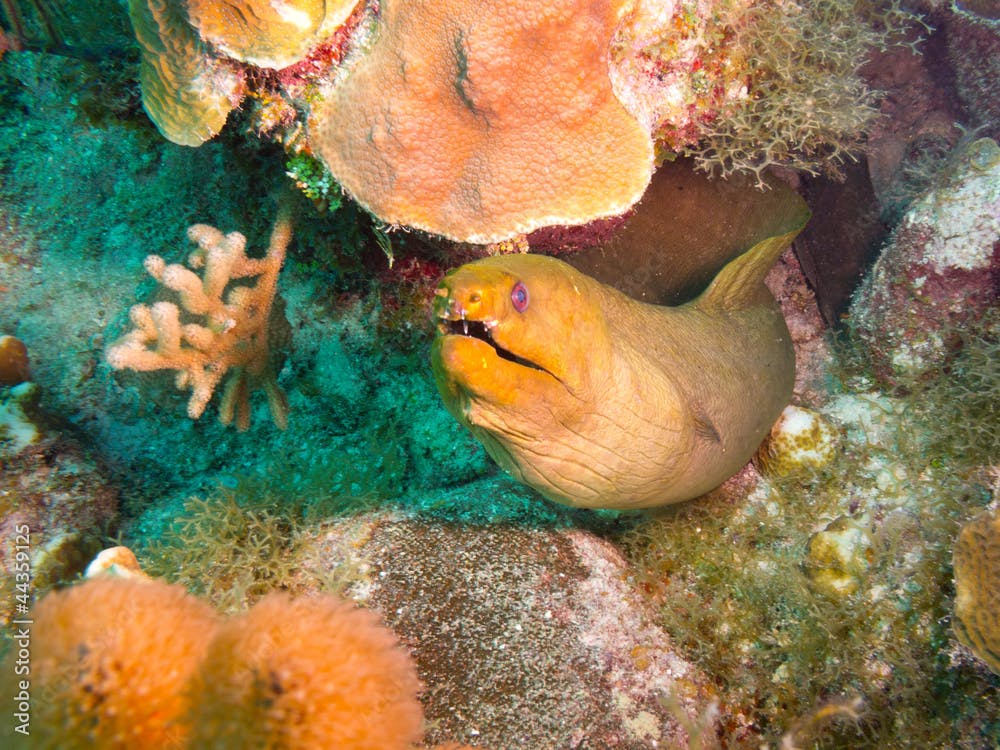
(483,330)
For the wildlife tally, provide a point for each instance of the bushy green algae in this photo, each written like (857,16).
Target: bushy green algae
(728,573)
(958,412)
(808,106)
(230,553)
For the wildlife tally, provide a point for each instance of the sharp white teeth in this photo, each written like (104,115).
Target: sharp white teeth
(465,326)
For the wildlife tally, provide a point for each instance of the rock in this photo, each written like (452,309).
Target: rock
(841,239)
(973,39)
(916,127)
(937,274)
(805,323)
(56,505)
(524,637)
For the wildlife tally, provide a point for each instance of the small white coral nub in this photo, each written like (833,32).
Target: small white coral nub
(838,557)
(800,439)
(233,335)
(116,561)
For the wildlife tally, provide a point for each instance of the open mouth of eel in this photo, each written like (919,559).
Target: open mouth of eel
(483,330)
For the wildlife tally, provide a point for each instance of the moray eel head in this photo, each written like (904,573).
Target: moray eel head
(501,322)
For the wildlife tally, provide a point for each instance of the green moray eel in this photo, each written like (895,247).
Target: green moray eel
(598,400)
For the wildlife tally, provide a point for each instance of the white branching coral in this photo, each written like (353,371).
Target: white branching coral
(231,338)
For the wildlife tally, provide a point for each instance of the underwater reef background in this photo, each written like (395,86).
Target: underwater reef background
(841,591)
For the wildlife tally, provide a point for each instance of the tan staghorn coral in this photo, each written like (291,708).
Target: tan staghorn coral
(233,337)
(267,33)
(977,587)
(187,93)
(481,121)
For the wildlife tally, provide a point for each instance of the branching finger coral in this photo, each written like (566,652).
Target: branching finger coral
(233,335)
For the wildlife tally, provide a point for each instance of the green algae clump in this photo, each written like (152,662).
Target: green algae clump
(231,553)
(808,107)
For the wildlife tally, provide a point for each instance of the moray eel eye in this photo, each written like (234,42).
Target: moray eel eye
(519,297)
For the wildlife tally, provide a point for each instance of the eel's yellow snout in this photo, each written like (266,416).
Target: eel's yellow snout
(470,294)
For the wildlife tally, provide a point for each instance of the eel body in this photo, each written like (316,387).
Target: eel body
(598,400)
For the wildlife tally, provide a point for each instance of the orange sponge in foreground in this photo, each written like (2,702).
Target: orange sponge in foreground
(123,663)
(309,674)
(110,662)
